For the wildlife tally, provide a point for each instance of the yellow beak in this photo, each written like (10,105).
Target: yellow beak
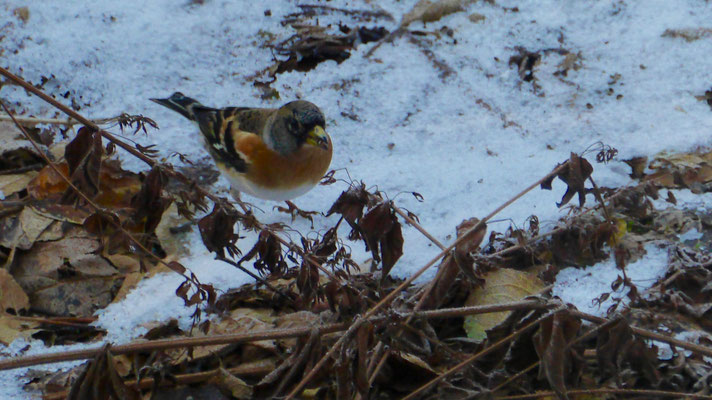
(318,137)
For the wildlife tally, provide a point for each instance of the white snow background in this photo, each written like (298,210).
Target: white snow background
(466,142)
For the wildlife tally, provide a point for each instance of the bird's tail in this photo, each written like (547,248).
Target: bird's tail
(181,104)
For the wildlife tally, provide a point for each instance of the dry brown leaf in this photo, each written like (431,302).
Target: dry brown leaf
(689,34)
(236,387)
(130,281)
(240,320)
(75,298)
(48,182)
(174,245)
(428,11)
(501,286)
(12,297)
(12,328)
(33,224)
(11,184)
(688,170)
(100,380)
(551,343)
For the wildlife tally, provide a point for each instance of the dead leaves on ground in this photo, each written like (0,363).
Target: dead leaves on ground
(67,257)
(676,171)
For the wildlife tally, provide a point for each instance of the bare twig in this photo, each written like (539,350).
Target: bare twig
(181,379)
(702,350)
(163,344)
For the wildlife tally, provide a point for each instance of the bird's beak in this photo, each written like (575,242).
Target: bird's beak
(318,137)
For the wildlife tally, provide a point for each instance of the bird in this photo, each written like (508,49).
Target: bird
(270,153)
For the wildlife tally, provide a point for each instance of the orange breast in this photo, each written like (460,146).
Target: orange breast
(269,169)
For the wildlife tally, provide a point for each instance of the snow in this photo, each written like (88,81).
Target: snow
(581,287)
(466,142)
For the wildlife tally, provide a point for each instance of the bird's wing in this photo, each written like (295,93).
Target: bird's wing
(224,128)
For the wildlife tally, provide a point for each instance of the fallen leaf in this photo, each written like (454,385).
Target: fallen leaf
(236,387)
(428,11)
(13,183)
(13,328)
(12,297)
(501,286)
(551,342)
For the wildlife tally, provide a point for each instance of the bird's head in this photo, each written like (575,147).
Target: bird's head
(304,122)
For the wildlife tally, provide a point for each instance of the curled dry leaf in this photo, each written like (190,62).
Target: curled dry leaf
(558,360)
(617,347)
(381,230)
(268,253)
(12,297)
(229,383)
(460,260)
(217,230)
(468,245)
(84,158)
(574,173)
(350,205)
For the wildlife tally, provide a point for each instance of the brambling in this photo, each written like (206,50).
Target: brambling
(270,153)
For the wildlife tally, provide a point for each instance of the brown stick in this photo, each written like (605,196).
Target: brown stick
(703,350)
(182,379)
(163,344)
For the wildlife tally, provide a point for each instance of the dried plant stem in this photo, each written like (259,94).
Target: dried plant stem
(395,292)
(34,120)
(417,226)
(253,276)
(164,344)
(628,392)
(480,354)
(74,115)
(702,350)
(182,379)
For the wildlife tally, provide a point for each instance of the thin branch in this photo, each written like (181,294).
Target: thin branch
(181,379)
(253,276)
(417,226)
(35,120)
(702,350)
(164,344)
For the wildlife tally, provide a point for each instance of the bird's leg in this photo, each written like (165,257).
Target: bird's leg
(236,196)
(295,212)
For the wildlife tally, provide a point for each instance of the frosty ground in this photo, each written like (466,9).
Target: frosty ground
(467,140)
